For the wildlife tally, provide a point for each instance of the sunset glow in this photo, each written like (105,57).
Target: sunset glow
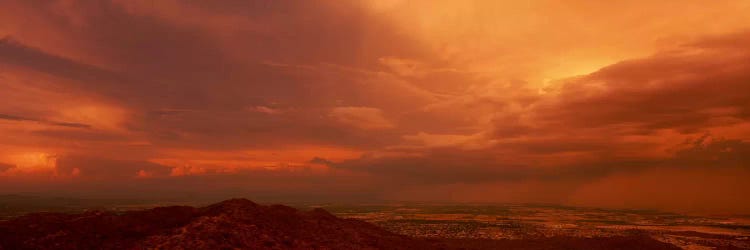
(566,102)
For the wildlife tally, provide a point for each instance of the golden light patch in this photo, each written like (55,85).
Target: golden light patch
(98,116)
(32,162)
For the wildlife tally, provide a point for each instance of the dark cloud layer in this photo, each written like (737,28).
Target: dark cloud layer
(26,119)
(15,53)
(5,166)
(155,63)
(688,90)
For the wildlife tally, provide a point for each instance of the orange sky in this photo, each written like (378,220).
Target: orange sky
(642,104)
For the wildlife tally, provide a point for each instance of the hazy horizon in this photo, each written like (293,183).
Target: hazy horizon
(632,104)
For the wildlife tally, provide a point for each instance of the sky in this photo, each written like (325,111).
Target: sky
(623,104)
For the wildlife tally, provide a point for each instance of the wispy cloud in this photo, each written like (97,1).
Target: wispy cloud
(42,121)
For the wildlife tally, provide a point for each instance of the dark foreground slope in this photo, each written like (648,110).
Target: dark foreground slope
(242,224)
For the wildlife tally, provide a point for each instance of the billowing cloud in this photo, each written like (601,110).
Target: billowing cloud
(688,89)
(490,101)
